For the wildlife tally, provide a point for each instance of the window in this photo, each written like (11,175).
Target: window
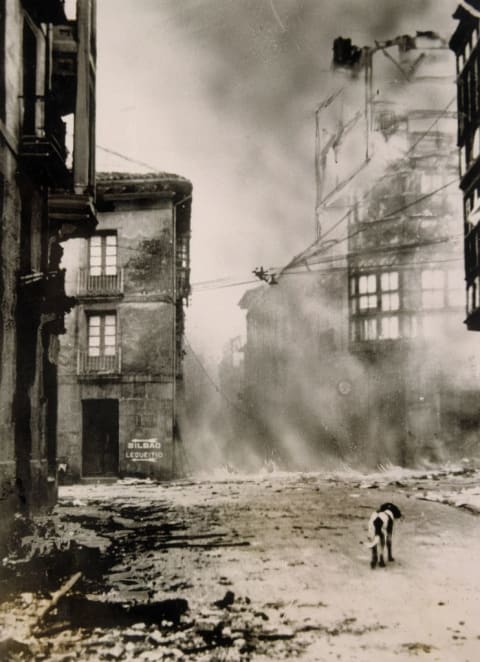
(389,291)
(367,289)
(369,328)
(471,298)
(102,255)
(463,159)
(476,144)
(371,296)
(387,121)
(390,327)
(102,335)
(433,285)
(182,252)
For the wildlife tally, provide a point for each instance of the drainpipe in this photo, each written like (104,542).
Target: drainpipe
(174,329)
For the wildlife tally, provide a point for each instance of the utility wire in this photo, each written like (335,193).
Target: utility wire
(343,256)
(390,217)
(387,218)
(401,265)
(128,158)
(369,191)
(388,249)
(298,257)
(221,287)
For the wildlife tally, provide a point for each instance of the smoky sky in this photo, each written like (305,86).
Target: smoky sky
(224,92)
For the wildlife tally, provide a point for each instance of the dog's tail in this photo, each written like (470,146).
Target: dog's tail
(374,542)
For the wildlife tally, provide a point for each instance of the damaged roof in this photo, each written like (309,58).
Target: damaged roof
(467,14)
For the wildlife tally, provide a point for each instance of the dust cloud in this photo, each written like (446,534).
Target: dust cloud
(312,408)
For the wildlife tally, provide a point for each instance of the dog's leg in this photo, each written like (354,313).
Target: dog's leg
(382,549)
(389,541)
(373,562)
(389,548)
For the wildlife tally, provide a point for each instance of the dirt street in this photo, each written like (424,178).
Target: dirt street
(248,568)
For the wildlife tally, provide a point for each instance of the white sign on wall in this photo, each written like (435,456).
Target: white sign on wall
(144,450)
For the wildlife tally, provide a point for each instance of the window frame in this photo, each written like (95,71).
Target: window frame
(375,320)
(103,267)
(102,335)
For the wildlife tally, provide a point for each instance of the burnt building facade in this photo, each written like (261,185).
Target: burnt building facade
(365,356)
(47,75)
(465,44)
(120,365)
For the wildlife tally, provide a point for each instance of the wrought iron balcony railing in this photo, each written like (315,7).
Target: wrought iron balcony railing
(99,365)
(102,285)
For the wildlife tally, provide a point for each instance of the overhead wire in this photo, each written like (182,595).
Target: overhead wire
(371,189)
(390,217)
(204,285)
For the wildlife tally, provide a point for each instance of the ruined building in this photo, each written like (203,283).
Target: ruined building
(359,352)
(120,366)
(464,43)
(47,79)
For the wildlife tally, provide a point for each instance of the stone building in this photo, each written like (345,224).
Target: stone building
(120,366)
(359,351)
(47,75)
(465,44)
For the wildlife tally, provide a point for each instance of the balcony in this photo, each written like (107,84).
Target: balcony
(72,215)
(44,292)
(97,366)
(42,146)
(104,285)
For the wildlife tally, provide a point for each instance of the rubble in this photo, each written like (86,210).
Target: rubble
(176,589)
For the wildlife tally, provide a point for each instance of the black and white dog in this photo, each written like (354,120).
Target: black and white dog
(380,530)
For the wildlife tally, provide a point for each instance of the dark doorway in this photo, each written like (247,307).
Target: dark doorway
(100,438)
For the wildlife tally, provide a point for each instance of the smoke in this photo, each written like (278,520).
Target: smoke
(224,93)
(317,404)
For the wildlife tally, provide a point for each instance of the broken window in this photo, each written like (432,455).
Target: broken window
(433,288)
(387,122)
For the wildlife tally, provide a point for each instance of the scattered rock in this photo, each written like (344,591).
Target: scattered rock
(115,653)
(418,647)
(11,649)
(227,600)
